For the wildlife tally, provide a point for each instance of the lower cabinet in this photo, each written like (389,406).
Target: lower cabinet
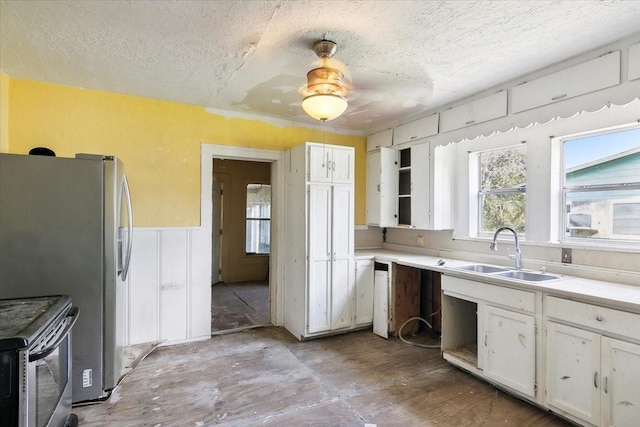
(592,377)
(510,349)
(491,331)
(381,295)
(364,293)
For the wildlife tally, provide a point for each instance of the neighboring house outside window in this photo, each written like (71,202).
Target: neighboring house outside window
(601,190)
(501,189)
(258,219)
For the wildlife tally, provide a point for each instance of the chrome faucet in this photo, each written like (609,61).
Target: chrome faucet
(518,256)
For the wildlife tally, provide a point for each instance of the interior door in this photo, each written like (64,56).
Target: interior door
(216,227)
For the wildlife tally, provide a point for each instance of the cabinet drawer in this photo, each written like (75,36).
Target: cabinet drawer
(478,291)
(420,128)
(594,317)
(478,111)
(634,62)
(380,139)
(599,73)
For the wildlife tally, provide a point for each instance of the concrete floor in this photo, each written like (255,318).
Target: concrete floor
(266,377)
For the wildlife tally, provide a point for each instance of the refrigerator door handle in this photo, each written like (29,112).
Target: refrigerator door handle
(127,257)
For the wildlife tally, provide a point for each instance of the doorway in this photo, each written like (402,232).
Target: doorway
(240,241)
(276,267)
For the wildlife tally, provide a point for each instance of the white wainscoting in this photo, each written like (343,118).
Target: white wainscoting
(169,286)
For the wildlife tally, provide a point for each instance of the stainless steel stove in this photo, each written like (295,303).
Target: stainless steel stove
(35,361)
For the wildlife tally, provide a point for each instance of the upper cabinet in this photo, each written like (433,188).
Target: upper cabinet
(411,187)
(417,129)
(330,163)
(382,187)
(634,62)
(580,79)
(380,140)
(478,111)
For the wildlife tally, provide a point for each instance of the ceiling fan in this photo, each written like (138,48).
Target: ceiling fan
(326,89)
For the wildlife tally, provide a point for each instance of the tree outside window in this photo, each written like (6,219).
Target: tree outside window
(502,189)
(258,219)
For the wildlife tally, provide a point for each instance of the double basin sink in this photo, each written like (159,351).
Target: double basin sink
(527,276)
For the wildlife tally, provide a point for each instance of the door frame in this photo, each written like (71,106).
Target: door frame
(276,267)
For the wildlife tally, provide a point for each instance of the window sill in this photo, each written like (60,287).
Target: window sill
(588,246)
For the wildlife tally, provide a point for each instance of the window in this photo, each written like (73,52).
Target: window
(258,219)
(501,189)
(601,190)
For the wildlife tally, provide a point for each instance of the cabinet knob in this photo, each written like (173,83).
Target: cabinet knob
(599,318)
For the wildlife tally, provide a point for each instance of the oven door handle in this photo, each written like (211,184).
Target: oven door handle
(72,316)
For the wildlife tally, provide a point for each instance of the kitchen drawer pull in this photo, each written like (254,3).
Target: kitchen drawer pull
(595,379)
(555,98)
(606,381)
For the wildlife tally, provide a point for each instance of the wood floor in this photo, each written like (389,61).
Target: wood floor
(266,377)
(239,305)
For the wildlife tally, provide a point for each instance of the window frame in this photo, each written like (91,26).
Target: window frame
(478,194)
(259,219)
(563,219)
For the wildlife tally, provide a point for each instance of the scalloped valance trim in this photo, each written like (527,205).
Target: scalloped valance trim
(624,95)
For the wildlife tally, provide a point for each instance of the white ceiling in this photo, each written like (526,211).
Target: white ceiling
(251,57)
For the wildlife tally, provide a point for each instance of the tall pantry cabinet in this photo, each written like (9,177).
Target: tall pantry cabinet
(319,254)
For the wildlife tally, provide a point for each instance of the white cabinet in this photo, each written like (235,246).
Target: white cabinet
(573,366)
(382,187)
(491,331)
(510,349)
(381,295)
(634,62)
(596,74)
(590,376)
(417,129)
(364,292)
(379,140)
(330,163)
(621,389)
(599,383)
(411,187)
(474,112)
(319,222)
(330,257)
(414,188)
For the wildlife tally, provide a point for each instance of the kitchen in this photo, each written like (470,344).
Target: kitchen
(170,262)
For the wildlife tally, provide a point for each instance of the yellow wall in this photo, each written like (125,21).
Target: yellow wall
(4,112)
(158,141)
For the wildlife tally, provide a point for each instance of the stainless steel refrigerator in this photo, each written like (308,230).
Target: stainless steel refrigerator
(65,225)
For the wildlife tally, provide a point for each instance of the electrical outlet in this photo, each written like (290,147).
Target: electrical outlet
(566,256)
(420,241)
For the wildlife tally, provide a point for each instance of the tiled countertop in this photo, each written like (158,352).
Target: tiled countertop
(614,295)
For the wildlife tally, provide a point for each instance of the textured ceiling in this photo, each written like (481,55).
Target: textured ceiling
(251,57)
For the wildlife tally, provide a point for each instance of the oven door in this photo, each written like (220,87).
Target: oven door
(49,376)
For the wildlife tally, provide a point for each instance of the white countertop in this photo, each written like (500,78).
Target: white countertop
(614,295)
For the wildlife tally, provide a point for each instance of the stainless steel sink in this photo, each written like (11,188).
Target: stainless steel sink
(527,276)
(481,268)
